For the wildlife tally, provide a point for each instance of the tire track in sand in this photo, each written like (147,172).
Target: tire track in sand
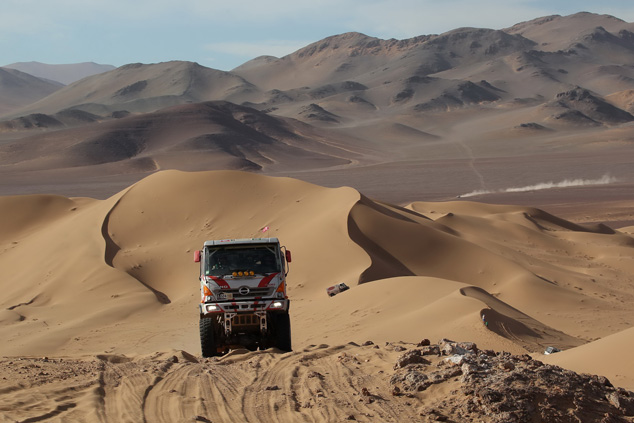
(318,384)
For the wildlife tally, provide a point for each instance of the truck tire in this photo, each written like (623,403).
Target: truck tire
(282,331)
(208,337)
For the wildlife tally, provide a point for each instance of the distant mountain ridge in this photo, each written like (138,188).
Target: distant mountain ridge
(63,73)
(414,74)
(138,87)
(18,89)
(552,75)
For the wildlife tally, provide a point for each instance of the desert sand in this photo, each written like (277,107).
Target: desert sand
(473,186)
(109,288)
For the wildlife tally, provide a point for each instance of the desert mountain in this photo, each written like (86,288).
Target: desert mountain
(64,118)
(554,33)
(229,135)
(144,88)
(355,56)
(463,67)
(65,73)
(450,109)
(18,89)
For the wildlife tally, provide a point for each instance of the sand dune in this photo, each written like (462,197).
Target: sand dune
(87,276)
(597,357)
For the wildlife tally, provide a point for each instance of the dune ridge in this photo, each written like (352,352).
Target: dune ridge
(115,275)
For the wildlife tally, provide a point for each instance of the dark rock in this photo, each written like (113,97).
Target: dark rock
(507,365)
(624,403)
(467,346)
(411,357)
(431,350)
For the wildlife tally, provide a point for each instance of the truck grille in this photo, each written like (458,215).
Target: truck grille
(253,292)
(245,320)
(245,306)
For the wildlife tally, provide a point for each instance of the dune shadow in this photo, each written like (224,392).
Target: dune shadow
(384,265)
(112,249)
(565,224)
(506,326)
(514,325)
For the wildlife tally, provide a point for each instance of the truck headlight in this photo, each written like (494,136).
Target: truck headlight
(212,308)
(277,304)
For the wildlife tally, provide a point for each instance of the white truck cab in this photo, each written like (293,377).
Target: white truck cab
(243,295)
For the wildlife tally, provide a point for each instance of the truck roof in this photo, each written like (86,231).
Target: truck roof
(242,241)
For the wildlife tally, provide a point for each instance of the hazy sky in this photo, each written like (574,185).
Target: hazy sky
(225,34)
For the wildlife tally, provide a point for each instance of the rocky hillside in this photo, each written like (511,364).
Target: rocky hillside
(501,387)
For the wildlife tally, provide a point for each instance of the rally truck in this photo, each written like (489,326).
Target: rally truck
(243,295)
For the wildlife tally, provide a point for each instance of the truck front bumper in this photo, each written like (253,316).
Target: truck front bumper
(244,314)
(207,309)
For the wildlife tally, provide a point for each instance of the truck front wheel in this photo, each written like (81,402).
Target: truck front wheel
(282,331)
(208,337)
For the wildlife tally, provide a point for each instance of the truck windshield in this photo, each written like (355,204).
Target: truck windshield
(261,260)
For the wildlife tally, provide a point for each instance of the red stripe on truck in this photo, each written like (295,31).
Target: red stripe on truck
(265,280)
(221,282)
